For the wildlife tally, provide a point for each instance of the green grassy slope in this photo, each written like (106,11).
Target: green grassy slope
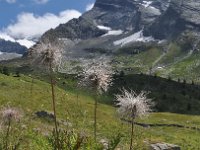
(16,92)
(186,69)
(174,60)
(140,62)
(169,96)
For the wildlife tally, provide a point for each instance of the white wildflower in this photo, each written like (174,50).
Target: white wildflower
(10,114)
(132,105)
(49,54)
(98,76)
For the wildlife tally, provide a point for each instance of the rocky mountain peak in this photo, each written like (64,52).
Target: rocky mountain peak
(113,24)
(115,4)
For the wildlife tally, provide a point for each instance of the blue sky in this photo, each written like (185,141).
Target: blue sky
(10,9)
(29,19)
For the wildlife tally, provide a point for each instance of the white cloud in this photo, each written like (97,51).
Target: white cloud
(6,37)
(30,26)
(41,1)
(24,42)
(89,6)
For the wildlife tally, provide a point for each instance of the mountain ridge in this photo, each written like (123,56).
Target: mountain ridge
(12,47)
(125,27)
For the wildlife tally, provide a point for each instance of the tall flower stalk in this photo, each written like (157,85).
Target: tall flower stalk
(132,106)
(97,76)
(51,59)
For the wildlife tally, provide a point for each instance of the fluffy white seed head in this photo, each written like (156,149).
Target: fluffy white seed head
(97,76)
(10,114)
(49,54)
(132,105)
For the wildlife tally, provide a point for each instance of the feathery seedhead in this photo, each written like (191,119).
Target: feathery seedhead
(10,114)
(132,105)
(50,54)
(98,76)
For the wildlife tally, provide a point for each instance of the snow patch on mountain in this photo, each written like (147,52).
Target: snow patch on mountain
(1,53)
(104,28)
(136,37)
(113,32)
(146,3)
(155,10)
(110,31)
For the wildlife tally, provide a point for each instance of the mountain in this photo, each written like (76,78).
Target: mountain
(10,50)
(132,30)
(11,47)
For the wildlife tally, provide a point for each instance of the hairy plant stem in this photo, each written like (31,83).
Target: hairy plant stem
(132,130)
(32,86)
(133,111)
(95,120)
(54,106)
(96,82)
(77,98)
(7,134)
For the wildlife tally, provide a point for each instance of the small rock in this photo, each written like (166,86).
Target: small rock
(44,114)
(164,146)
(104,143)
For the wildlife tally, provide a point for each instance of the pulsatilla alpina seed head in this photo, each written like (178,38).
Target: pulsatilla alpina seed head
(132,105)
(49,55)
(10,114)
(97,76)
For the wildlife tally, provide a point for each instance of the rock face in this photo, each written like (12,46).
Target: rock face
(113,24)
(128,15)
(180,15)
(164,146)
(75,29)
(11,47)
(133,15)
(10,50)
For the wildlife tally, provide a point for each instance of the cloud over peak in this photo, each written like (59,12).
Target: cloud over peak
(30,26)
(23,42)
(89,6)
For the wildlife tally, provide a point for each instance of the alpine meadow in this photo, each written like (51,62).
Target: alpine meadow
(100,75)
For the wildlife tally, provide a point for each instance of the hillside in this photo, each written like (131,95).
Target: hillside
(178,61)
(169,96)
(124,75)
(11,47)
(179,96)
(78,112)
(10,50)
(160,37)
